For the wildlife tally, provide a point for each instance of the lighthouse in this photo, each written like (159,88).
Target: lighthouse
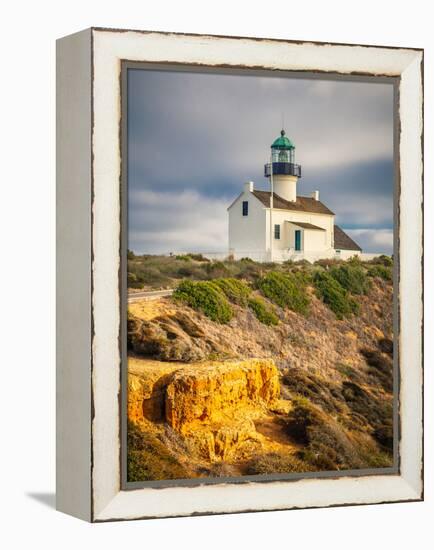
(277,224)
(282,171)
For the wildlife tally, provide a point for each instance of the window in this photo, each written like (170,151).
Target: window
(277,231)
(245,208)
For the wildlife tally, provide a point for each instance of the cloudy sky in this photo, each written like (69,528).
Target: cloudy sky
(193,139)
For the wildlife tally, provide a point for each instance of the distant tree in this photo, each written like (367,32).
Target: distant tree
(130,255)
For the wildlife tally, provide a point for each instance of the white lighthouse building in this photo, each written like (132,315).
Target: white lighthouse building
(279,225)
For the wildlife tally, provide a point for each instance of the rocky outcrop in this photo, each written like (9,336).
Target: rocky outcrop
(172,337)
(213,404)
(198,394)
(147,384)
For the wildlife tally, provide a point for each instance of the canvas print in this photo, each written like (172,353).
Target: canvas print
(260,303)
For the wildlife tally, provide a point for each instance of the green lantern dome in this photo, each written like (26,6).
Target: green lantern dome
(282,143)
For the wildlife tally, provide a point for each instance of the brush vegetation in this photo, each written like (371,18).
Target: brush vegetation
(337,283)
(288,290)
(334,295)
(206,297)
(149,458)
(352,277)
(263,312)
(236,291)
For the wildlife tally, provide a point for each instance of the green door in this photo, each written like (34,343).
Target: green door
(297,239)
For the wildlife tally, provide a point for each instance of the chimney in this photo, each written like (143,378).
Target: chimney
(315,195)
(248,186)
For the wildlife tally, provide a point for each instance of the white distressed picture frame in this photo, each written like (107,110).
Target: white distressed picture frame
(88,267)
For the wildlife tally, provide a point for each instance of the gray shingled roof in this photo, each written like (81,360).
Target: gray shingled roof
(302,204)
(343,241)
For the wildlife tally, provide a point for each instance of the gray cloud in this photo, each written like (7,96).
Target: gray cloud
(194,138)
(184,221)
(373,240)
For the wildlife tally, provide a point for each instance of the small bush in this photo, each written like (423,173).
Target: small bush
(335,295)
(384,435)
(235,290)
(302,263)
(384,260)
(276,463)
(263,313)
(386,345)
(198,258)
(382,271)
(381,367)
(326,263)
(286,290)
(313,387)
(133,281)
(149,459)
(352,277)
(205,297)
(186,271)
(183,257)
(191,271)
(326,444)
(216,269)
(375,410)
(349,372)
(248,270)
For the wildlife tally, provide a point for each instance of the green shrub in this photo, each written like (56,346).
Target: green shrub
(352,277)
(382,271)
(286,290)
(335,295)
(248,269)
(183,257)
(133,281)
(235,290)
(206,297)
(384,260)
(263,313)
(216,269)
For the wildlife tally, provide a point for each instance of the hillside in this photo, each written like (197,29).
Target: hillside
(260,369)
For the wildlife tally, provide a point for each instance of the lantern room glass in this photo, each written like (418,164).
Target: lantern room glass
(283,155)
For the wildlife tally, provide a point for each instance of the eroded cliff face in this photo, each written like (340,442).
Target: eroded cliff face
(213,404)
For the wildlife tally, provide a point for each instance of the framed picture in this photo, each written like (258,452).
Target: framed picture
(239,266)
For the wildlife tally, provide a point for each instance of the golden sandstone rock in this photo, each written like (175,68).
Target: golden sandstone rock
(210,393)
(214,404)
(147,382)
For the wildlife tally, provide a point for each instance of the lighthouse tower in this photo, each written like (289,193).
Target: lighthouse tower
(282,169)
